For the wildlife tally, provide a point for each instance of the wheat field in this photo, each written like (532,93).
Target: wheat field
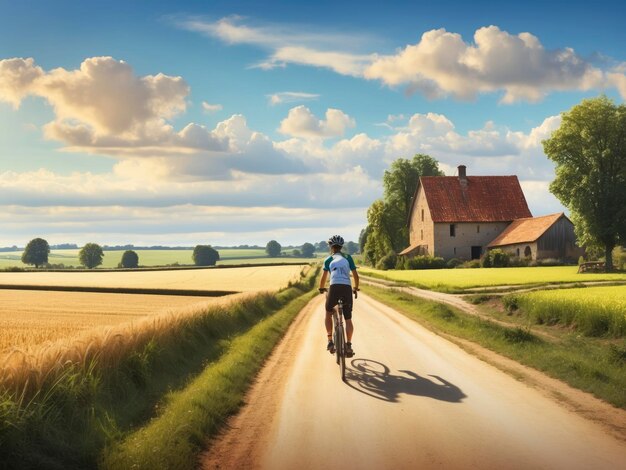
(246,279)
(30,318)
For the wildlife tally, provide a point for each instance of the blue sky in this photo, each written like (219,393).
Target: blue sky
(237,122)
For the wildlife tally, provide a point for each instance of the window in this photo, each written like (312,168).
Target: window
(422,215)
(452,230)
(422,233)
(478,229)
(527,252)
(518,252)
(455,250)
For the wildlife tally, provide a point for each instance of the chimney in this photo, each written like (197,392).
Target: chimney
(462,176)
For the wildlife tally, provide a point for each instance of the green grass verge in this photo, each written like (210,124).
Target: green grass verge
(85,408)
(589,364)
(173,439)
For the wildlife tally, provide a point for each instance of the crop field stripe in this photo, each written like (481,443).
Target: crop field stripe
(121,290)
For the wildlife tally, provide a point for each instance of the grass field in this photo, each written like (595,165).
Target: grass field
(459,279)
(245,279)
(594,311)
(152,257)
(30,318)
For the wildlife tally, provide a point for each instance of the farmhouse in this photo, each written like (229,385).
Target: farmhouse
(463,216)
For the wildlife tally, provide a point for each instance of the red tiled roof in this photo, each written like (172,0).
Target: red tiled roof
(482,199)
(525,230)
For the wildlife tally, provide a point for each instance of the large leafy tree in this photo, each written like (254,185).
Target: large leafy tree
(205,255)
(589,149)
(387,228)
(91,255)
(36,252)
(400,183)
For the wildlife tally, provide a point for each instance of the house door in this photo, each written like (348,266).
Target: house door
(476,252)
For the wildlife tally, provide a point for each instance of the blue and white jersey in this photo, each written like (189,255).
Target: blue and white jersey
(339,266)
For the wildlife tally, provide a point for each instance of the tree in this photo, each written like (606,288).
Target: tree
(363,238)
(36,252)
(296,253)
(322,246)
(589,149)
(379,240)
(308,250)
(351,248)
(400,183)
(387,229)
(273,249)
(91,255)
(205,255)
(130,259)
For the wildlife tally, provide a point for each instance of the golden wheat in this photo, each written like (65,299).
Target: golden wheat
(25,369)
(248,279)
(29,318)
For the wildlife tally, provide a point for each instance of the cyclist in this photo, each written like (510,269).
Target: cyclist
(339,267)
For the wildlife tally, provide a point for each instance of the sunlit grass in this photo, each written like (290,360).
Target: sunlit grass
(594,311)
(458,279)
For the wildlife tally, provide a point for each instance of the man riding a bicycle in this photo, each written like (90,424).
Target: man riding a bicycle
(339,266)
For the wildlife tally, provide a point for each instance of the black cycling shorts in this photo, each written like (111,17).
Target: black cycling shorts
(343,292)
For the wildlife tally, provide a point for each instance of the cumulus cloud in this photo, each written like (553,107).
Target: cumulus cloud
(211,108)
(104,108)
(301,122)
(291,97)
(441,64)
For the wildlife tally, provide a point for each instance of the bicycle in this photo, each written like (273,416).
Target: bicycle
(339,335)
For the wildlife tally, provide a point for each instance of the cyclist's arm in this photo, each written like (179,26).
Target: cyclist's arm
(323,280)
(356,278)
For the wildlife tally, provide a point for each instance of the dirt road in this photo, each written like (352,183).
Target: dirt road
(413,400)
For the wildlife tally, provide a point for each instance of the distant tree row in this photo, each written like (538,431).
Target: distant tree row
(91,255)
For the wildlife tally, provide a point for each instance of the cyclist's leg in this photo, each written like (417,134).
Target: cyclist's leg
(347,312)
(331,301)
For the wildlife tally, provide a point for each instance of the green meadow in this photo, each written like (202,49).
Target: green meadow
(155,257)
(460,279)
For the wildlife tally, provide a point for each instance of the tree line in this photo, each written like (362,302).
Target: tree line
(91,255)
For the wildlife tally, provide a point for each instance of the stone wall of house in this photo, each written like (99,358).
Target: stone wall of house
(466,235)
(421,230)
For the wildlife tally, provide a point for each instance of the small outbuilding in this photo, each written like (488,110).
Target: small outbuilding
(549,236)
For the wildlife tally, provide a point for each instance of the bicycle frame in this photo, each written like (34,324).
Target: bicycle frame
(340,339)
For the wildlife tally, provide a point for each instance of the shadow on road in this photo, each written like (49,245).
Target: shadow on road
(374,378)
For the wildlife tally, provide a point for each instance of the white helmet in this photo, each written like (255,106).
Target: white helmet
(335,240)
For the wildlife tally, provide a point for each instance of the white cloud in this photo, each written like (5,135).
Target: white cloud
(17,77)
(443,63)
(301,122)
(211,108)
(439,65)
(291,97)
(104,108)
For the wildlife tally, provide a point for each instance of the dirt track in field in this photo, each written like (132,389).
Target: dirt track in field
(412,400)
